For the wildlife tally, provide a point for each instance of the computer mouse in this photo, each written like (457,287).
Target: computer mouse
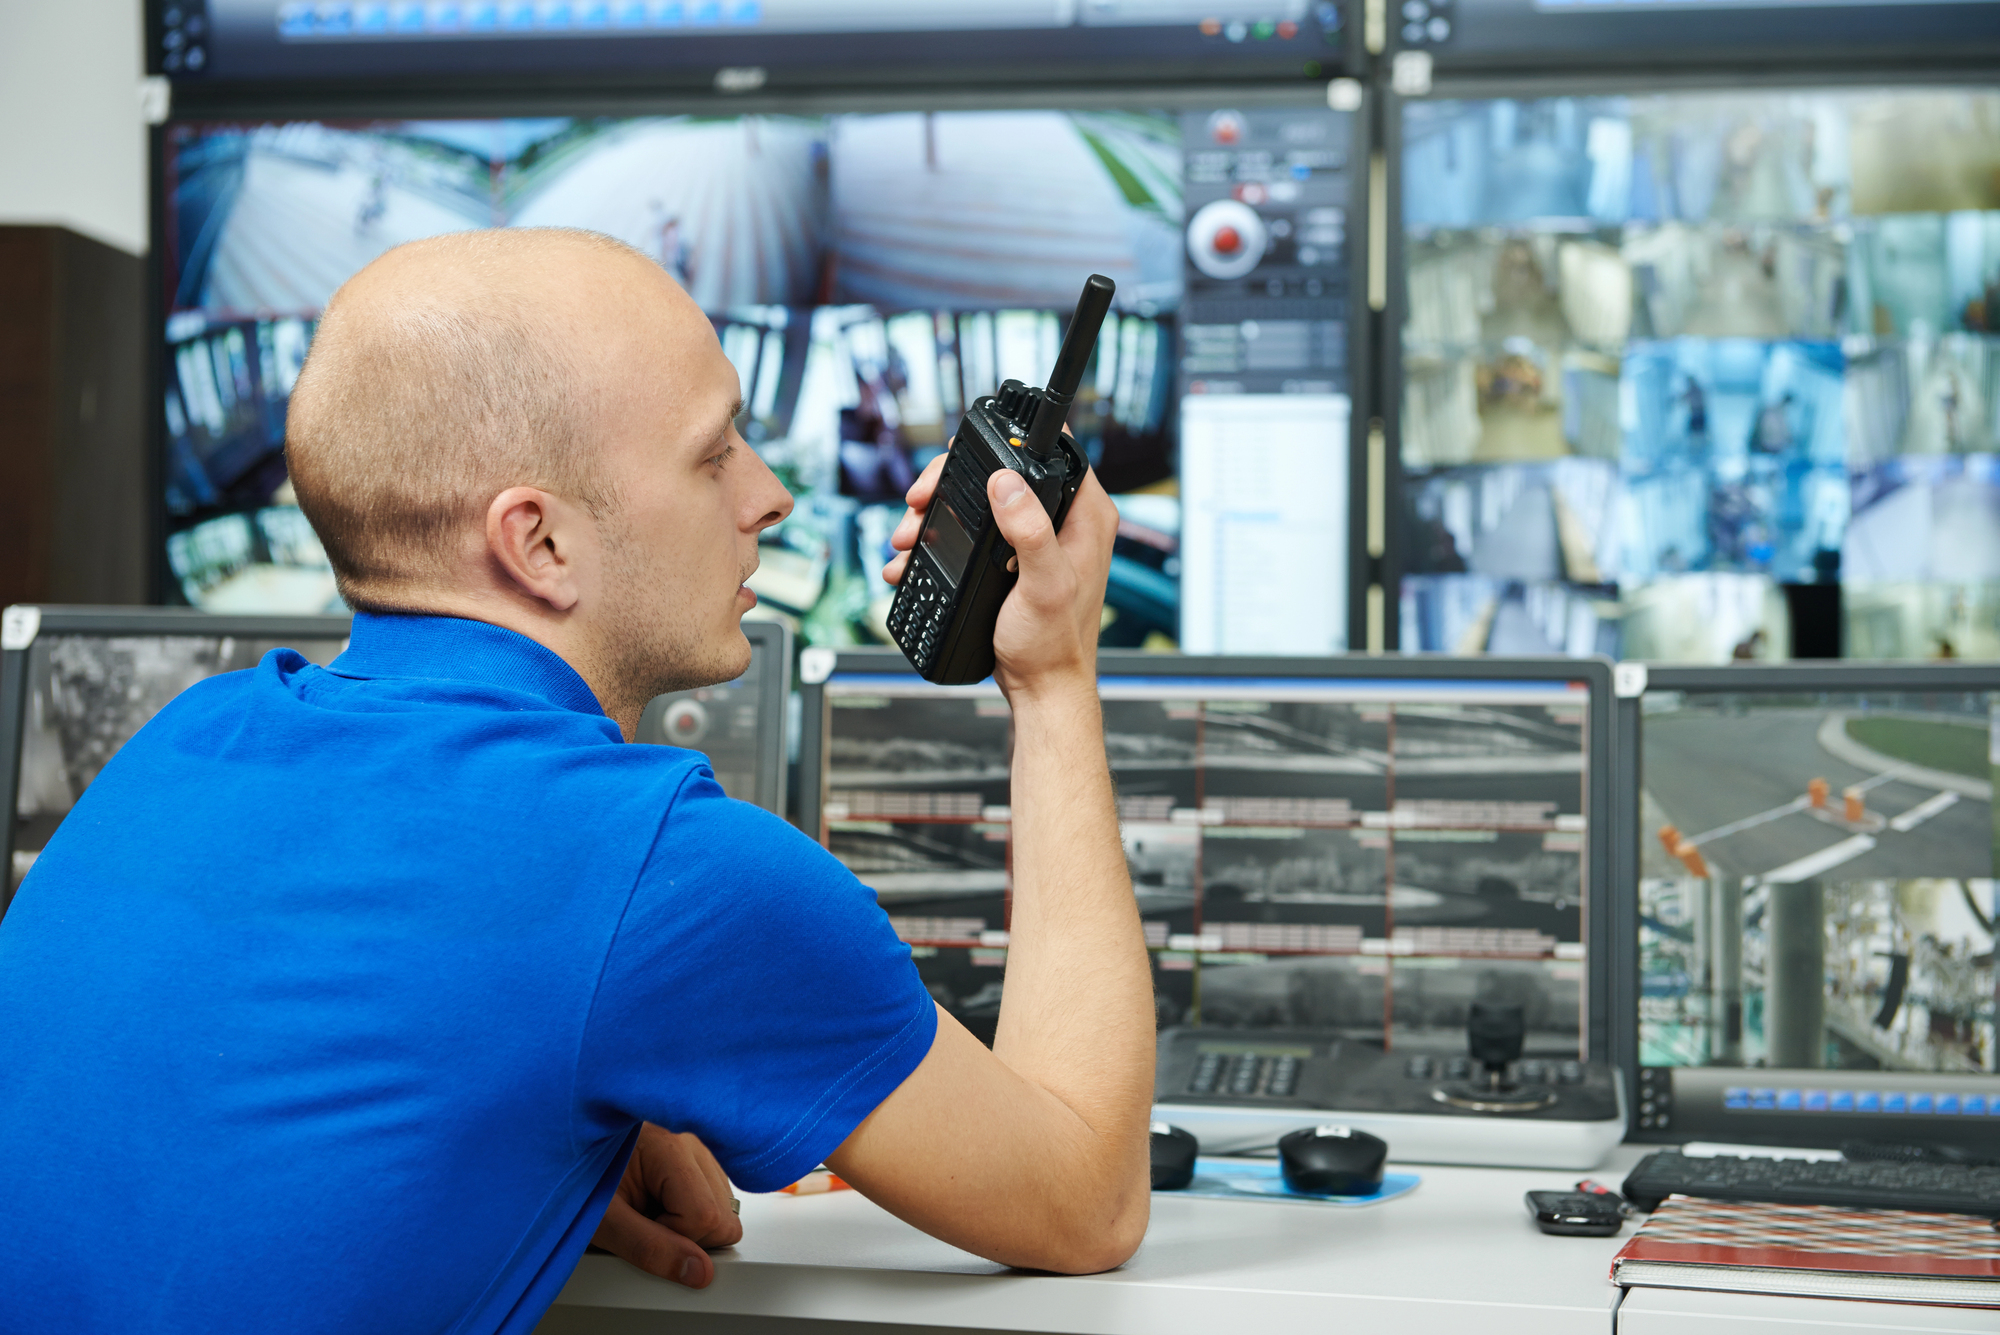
(1331,1161)
(1173,1157)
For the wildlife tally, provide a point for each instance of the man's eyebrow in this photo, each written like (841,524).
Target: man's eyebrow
(723,426)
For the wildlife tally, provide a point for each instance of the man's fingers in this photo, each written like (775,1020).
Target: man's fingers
(893,572)
(919,494)
(1045,572)
(690,1204)
(718,1181)
(653,1247)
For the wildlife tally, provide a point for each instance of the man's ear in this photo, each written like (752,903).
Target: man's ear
(539,543)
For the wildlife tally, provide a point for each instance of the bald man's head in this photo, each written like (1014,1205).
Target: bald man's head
(445,372)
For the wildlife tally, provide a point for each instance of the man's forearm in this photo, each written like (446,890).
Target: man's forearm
(1077,1017)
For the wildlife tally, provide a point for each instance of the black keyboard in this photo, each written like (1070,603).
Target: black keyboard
(1942,1188)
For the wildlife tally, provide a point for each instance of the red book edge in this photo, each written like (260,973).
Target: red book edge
(1915,1265)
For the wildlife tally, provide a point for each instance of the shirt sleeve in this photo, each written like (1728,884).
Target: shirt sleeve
(754,994)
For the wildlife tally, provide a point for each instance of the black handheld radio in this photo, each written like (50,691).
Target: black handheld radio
(961,569)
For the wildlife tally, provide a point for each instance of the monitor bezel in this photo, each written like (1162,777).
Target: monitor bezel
(1736,60)
(773,640)
(1634,681)
(840,72)
(1607,918)
(292,104)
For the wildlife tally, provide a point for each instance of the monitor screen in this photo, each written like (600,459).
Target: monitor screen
(1341,845)
(1502,34)
(869,276)
(1816,903)
(749,41)
(1662,354)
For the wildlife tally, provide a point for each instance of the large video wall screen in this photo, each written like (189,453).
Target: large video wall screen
(869,275)
(1662,354)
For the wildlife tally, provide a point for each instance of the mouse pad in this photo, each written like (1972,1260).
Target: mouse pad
(1254,1180)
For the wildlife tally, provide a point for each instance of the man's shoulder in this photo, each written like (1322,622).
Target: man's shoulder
(290,716)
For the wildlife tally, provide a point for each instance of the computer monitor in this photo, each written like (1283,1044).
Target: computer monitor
(1356,846)
(738,45)
(739,725)
(77,682)
(1669,361)
(1810,851)
(1469,35)
(869,274)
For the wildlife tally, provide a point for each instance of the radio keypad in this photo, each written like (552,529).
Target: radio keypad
(916,618)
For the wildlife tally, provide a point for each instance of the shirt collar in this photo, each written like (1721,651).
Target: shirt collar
(454,649)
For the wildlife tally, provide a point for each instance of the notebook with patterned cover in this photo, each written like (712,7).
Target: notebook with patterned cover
(1815,1251)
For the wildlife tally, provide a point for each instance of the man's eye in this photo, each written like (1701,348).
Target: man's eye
(720,459)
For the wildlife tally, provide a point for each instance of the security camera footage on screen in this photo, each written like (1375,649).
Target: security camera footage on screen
(1363,857)
(1662,354)
(1824,898)
(868,275)
(87,695)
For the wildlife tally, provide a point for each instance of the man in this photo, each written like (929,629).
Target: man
(343,996)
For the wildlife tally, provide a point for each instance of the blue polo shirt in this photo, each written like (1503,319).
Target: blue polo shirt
(337,1000)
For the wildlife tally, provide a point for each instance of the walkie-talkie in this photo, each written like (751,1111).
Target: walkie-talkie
(961,569)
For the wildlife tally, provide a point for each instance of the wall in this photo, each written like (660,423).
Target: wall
(73,148)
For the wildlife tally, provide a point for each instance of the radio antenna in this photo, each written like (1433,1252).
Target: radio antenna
(1053,410)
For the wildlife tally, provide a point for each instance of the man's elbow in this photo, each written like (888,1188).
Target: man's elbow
(1091,1242)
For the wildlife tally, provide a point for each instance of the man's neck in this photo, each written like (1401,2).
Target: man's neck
(561,633)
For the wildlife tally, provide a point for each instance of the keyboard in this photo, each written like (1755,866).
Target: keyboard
(1940,1188)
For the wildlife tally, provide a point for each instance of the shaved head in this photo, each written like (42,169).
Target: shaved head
(535,427)
(441,374)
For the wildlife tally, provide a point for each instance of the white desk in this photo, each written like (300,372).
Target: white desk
(1459,1254)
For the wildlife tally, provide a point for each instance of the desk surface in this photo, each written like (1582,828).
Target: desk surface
(1460,1252)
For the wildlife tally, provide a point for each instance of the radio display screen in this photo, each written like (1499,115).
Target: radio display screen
(947,541)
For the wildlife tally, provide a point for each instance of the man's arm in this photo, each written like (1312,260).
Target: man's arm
(1035,1153)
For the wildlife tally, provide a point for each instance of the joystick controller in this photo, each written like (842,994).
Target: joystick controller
(1495,1033)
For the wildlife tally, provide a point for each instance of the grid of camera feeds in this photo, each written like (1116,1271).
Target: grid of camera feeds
(1665,353)
(1364,857)
(88,694)
(868,275)
(1824,900)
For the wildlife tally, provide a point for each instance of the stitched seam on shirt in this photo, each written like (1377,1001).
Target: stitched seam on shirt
(479,1306)
(821,1110)
(611,944)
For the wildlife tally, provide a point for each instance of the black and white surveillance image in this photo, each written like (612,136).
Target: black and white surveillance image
(1360,858)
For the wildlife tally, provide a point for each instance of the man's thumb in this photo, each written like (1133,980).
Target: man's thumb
(1022,520)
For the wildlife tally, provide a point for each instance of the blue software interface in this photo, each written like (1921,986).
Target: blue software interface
(1364,857)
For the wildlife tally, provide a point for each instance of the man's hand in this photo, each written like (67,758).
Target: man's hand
(1048,626)
(674,1203)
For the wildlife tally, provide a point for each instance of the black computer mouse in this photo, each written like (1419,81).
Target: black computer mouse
(1173,1157)
(1332,1161)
